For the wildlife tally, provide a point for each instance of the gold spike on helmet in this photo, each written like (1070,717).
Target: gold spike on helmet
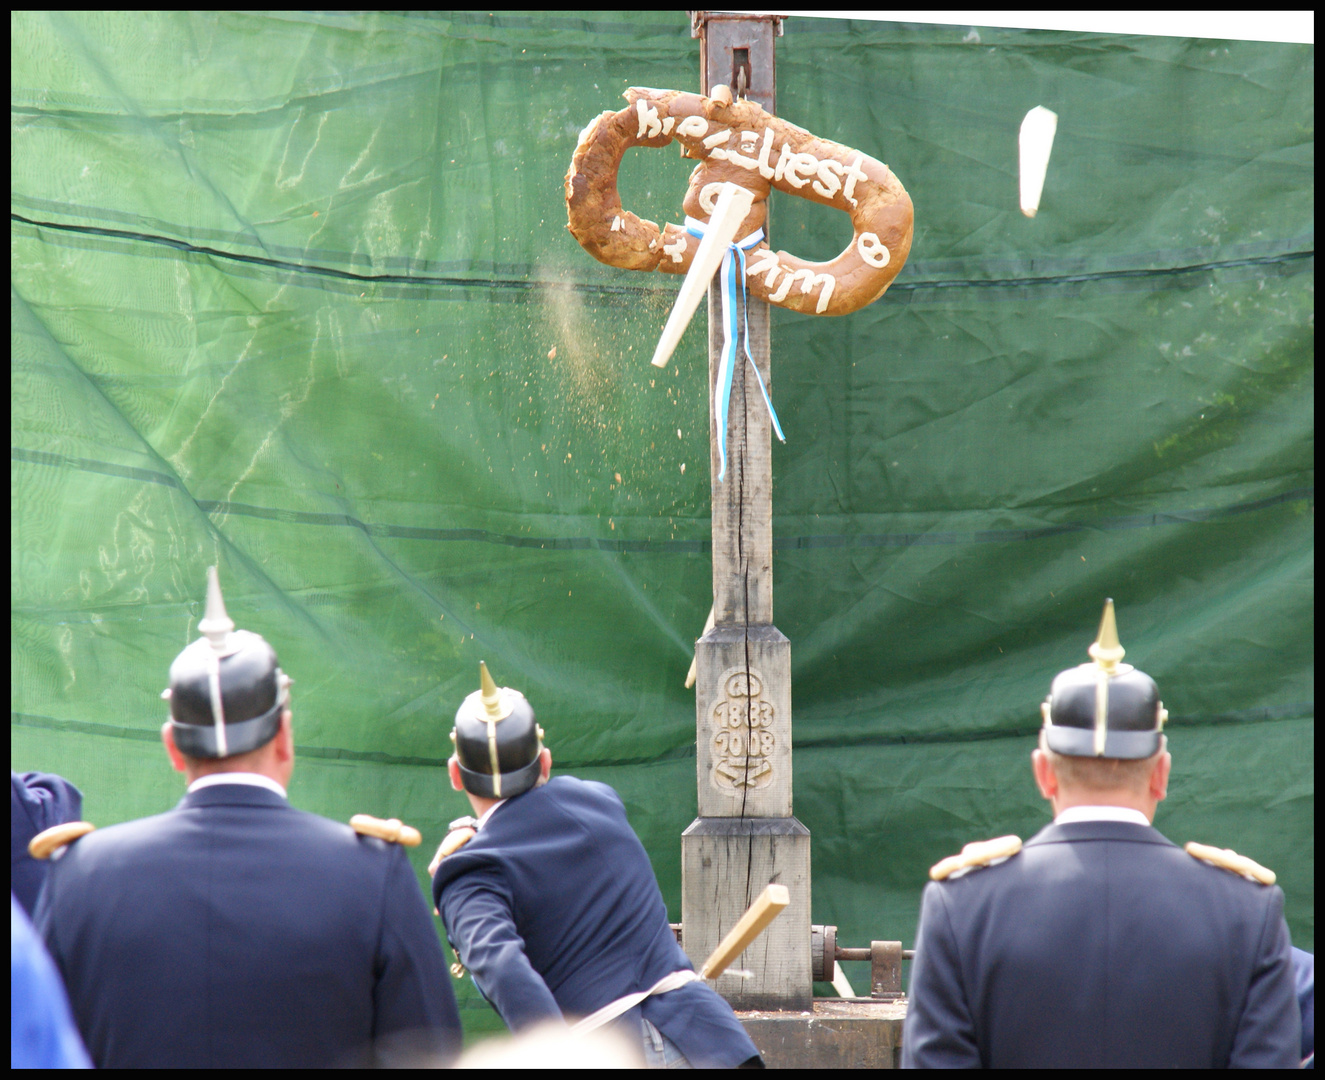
(1104,708)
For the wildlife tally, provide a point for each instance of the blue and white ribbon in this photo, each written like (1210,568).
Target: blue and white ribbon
(726,368)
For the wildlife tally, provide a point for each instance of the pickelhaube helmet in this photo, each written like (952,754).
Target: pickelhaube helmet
(226,689)
(497,742)
(1104,708)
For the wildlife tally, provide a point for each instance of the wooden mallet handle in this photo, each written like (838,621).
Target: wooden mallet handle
(762,912)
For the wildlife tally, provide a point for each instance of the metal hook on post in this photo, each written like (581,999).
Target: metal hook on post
(740,72)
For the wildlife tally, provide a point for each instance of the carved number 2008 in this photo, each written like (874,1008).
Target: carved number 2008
(733,742)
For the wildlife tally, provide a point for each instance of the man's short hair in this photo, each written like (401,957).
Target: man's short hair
(1102,774)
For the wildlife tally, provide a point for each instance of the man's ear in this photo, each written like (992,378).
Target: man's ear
(1159,777)
(453,771)
(545,762)
(172,751)
(285,737)
(1045,777)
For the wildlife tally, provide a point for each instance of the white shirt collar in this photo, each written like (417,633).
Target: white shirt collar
(1074,814)
(488,813)
(252,778)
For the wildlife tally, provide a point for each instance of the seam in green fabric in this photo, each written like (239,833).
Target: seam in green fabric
(433,281)
(1268,714)
(587,543)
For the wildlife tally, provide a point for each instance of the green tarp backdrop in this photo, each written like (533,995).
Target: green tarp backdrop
(285,295)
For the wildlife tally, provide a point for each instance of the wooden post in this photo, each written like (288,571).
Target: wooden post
(745,836)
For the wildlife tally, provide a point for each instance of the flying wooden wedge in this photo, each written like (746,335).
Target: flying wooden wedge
(733,204)
(763,911)
(690,675)
(1036,143)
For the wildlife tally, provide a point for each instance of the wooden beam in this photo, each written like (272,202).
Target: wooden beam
(762,912)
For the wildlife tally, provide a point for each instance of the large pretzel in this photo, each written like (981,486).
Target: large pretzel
(738,142)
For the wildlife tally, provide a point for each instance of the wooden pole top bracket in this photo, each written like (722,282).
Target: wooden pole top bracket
(737,52)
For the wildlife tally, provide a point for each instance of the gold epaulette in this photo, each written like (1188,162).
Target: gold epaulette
(47,842)
(460,833)
(1227,859)
(392,831)
(980,853)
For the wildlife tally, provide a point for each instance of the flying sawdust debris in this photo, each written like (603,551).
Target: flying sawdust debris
(594,389)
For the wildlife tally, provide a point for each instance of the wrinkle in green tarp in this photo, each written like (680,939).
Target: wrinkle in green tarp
(293,294)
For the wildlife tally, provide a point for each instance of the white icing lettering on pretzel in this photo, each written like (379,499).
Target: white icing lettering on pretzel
(797,169)
(693,127)
(736,141)
(826,282)
(766,261)
(677,250)
(852,173)
(649,124)
(708,197)
(828,183)
(766,170)
(871,250)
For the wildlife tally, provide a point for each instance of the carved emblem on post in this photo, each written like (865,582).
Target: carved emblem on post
(743,740)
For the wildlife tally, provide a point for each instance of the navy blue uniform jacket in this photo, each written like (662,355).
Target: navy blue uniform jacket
(36,802)
(554,909)
(235,931)
(1304,973)
(1101,945)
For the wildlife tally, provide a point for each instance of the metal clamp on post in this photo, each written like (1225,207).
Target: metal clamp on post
(886,969)
(885,959)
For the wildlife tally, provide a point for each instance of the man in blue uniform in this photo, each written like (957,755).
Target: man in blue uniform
(41,1031)
(1100,944)
(1304,974)
(37,801)
(235,931)
(550,900)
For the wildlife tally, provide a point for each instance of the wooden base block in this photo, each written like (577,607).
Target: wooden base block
(725,864)
(832,1035)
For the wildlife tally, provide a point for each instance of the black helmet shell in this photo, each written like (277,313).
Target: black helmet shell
(1104,709)
(251,696)
(1133,719)
(498,758)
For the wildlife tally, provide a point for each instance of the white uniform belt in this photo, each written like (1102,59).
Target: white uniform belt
(613,1009)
